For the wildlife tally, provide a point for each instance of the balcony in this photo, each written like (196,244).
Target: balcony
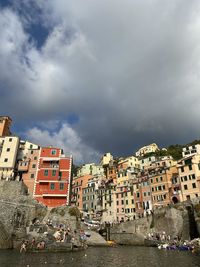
(49,166)
(23,166)
(53,159)
(46,194)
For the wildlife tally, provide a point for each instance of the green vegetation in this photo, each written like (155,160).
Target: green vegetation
(74,211)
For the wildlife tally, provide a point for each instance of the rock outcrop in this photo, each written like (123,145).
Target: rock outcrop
(19,212)
(181,220)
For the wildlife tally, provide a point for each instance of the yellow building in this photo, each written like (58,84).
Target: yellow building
(106,158)
(189,176)
(125,188)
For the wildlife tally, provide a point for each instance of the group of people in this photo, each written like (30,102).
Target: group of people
(61,233)
(161,236)
(32,245)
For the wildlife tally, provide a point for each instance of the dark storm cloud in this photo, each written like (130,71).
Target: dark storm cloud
(129,70)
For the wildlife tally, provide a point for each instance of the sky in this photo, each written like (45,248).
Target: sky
(101,76)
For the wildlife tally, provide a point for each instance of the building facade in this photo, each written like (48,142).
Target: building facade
(189,176)
(53,177)
(147,149)
(8,155)
(5,123)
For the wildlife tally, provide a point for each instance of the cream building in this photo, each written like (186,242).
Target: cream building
(90,169)
(8,154)
(146,149)
(189,176)
(146,162)
(106,158)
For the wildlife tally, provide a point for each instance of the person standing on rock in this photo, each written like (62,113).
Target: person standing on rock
(23,247)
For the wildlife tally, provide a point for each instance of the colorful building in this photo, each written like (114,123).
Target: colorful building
(161,175)
(53,177)
(78,184)
(27,168)
(189,176)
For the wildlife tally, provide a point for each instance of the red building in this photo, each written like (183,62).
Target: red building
(53,177)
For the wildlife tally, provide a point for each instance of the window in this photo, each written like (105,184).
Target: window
(193,176)
(117,202)
(53,172)
(52,186)
(33,166)
(122,202)
(132,201)
(46,172)
(10,139)
(53,152)
(61,186)
(156,179)
(31,146)
(6,160)
(185,187)
(127,202)
(161,178)
(35,158)
(8,149)
(194,185)
(31,151)
(32,175)
(182,169)
(190,167)
(163,187)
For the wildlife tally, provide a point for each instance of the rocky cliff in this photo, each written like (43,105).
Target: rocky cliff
(19,212)
(182,220)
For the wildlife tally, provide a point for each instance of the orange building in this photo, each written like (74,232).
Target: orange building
(77,189)
(27,169)
(53,177)
(161,183)
(5,123)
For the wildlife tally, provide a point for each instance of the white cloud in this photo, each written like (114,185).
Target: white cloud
(65,138)
(128,69)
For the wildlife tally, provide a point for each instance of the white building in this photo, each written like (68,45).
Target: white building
(147,149)
(191,150)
